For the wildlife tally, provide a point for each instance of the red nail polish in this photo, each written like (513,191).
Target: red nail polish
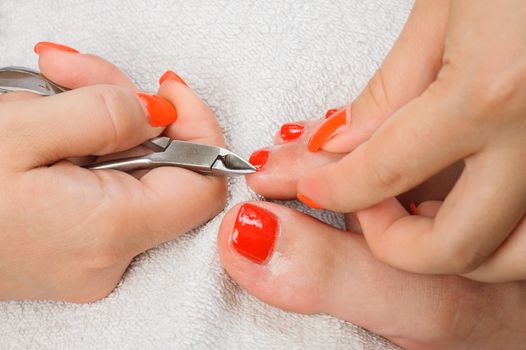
(160,111)
(44,45)
(327,130)
(331,112)
(255,233)
(413,208)
(169,75)
(291,131)
(259,158)
(307,201)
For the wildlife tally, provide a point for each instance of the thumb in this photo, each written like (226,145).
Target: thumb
(94,120)
(409,68)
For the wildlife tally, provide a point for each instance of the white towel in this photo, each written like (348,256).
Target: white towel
(258,64)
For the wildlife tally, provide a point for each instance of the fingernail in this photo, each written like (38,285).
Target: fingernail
(259,158)
(307,201)
(327,130)
(331,112)
(44,45)
(413,208)
(169,75)
(255,233)
(291,131)
(160,111)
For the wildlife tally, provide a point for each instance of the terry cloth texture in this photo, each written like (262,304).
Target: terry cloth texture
(258,64)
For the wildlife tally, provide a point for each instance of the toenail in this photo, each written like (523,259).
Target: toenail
(259,158)
(255,233)
(291,131)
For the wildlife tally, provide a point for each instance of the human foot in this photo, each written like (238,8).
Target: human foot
(306,266)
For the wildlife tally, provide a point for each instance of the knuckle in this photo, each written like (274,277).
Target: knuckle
(461,257)
(111,113)
(382,175)
(106,249)
(377,92)
(495,93)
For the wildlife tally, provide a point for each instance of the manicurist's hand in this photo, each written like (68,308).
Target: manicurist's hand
(452,89)
(68,233)
(292,261)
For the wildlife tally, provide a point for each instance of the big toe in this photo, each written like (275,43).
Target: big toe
(262,248)
(297,263)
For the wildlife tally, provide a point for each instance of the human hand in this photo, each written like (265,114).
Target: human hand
(69,233)
(452,89)
(295,262)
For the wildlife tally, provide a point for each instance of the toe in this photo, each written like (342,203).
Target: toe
(282,167)
(294,262)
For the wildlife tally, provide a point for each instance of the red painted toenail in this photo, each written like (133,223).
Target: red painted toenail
(259,158)
(331,112)
(255,233)
(413,208)
(291,131)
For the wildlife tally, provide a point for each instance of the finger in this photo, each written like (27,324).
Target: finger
(428,208)
(176,200)
(462,235)
(88,121)
(74,70)
(294,262)
(195,121)
(508,261)
(402,154)
(435,188)
(18,96)
(412,63)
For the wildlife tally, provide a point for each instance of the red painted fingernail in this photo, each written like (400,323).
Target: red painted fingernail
(169,75)
(291,131)
(307,201)
(255,233)
(259,158)
(160,111)
(44,45)
(327,130)
(331,112)
(413,208)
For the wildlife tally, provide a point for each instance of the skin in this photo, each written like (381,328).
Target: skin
(317,268)
(72,232)
(452,89)
(455,126)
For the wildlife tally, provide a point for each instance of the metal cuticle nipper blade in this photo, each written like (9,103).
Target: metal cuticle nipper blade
(203,159)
